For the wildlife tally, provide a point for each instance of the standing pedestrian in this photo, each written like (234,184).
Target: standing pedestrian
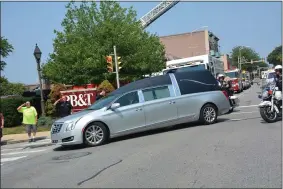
(63,107)
(1,125)
(101,95)
(29,119)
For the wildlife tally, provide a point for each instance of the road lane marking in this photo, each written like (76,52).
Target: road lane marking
(244,112)
(247,106)
(11,159)
(22,152)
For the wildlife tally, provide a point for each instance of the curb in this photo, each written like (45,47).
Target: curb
(21,141)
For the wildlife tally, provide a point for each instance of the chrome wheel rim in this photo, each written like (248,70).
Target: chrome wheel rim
(209,114)
(94,134)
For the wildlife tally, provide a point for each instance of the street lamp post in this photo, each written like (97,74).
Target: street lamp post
(240,57)
(37,54)
(240,62)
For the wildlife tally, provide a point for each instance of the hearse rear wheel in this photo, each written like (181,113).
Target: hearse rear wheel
(95,134)
(208,114)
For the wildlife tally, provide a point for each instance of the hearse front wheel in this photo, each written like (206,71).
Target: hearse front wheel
(95,134)
(208,114)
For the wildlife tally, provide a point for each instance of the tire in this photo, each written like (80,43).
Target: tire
(203,112)
(100,137)
(265,117)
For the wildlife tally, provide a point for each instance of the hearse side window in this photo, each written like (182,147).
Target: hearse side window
(156,93)
(128,99)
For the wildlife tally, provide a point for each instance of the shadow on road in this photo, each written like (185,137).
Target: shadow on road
(137,135)
(152,132)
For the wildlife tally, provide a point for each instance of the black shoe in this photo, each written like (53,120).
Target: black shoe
(30,140)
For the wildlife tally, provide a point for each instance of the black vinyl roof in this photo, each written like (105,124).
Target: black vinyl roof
(198,75)
(204,76)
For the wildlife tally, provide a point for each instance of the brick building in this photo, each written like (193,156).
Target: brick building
(191,44)
(227,62)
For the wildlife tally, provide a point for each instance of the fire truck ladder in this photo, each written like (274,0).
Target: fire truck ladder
(156,12)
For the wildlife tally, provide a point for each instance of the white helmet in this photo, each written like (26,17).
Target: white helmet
(221,75)
(278,67)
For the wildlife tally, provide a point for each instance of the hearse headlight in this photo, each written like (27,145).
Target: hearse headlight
(70,126)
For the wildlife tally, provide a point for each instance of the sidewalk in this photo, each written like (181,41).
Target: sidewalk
(18,138)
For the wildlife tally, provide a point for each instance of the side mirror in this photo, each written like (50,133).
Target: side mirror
(115,106)
(259,96)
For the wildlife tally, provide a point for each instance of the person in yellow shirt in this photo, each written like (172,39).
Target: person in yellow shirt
(29,119)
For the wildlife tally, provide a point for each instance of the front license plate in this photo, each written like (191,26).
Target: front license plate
(54,141)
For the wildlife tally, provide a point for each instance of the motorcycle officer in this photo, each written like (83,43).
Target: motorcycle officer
(225,86)
(222,83)
(278,76)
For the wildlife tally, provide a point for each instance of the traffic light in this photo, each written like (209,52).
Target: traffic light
(119,67)
(109,64)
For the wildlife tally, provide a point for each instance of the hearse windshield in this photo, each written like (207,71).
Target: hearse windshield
(185,69)
(232,74)
(101,103)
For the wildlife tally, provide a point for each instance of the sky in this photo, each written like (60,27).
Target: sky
(254,24)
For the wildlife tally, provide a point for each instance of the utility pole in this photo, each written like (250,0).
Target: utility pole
(116,66)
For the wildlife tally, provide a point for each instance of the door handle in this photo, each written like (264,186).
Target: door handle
(173,102)
(139,109)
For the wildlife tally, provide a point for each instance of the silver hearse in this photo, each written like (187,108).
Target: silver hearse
(146,104)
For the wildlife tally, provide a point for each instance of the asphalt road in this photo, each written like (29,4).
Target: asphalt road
(238,151)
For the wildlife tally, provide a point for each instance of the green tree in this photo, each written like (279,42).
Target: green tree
(275,57)
(107,86)
(8,88)
(6,48)
(89,33)
(52,97)
(248,54)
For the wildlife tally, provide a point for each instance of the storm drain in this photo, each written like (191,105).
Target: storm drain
(71,156)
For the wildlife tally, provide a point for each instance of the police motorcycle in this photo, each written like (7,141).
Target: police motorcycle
(271,105)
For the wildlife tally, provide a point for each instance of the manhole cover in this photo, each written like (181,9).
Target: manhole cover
(71,156)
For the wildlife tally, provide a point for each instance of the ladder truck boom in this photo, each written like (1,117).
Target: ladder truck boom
(156,12)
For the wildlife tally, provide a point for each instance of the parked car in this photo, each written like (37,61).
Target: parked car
(146,104)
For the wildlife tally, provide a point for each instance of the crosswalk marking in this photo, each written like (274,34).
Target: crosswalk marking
(11,159)
(46,141)
(21,152)
(10,149)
